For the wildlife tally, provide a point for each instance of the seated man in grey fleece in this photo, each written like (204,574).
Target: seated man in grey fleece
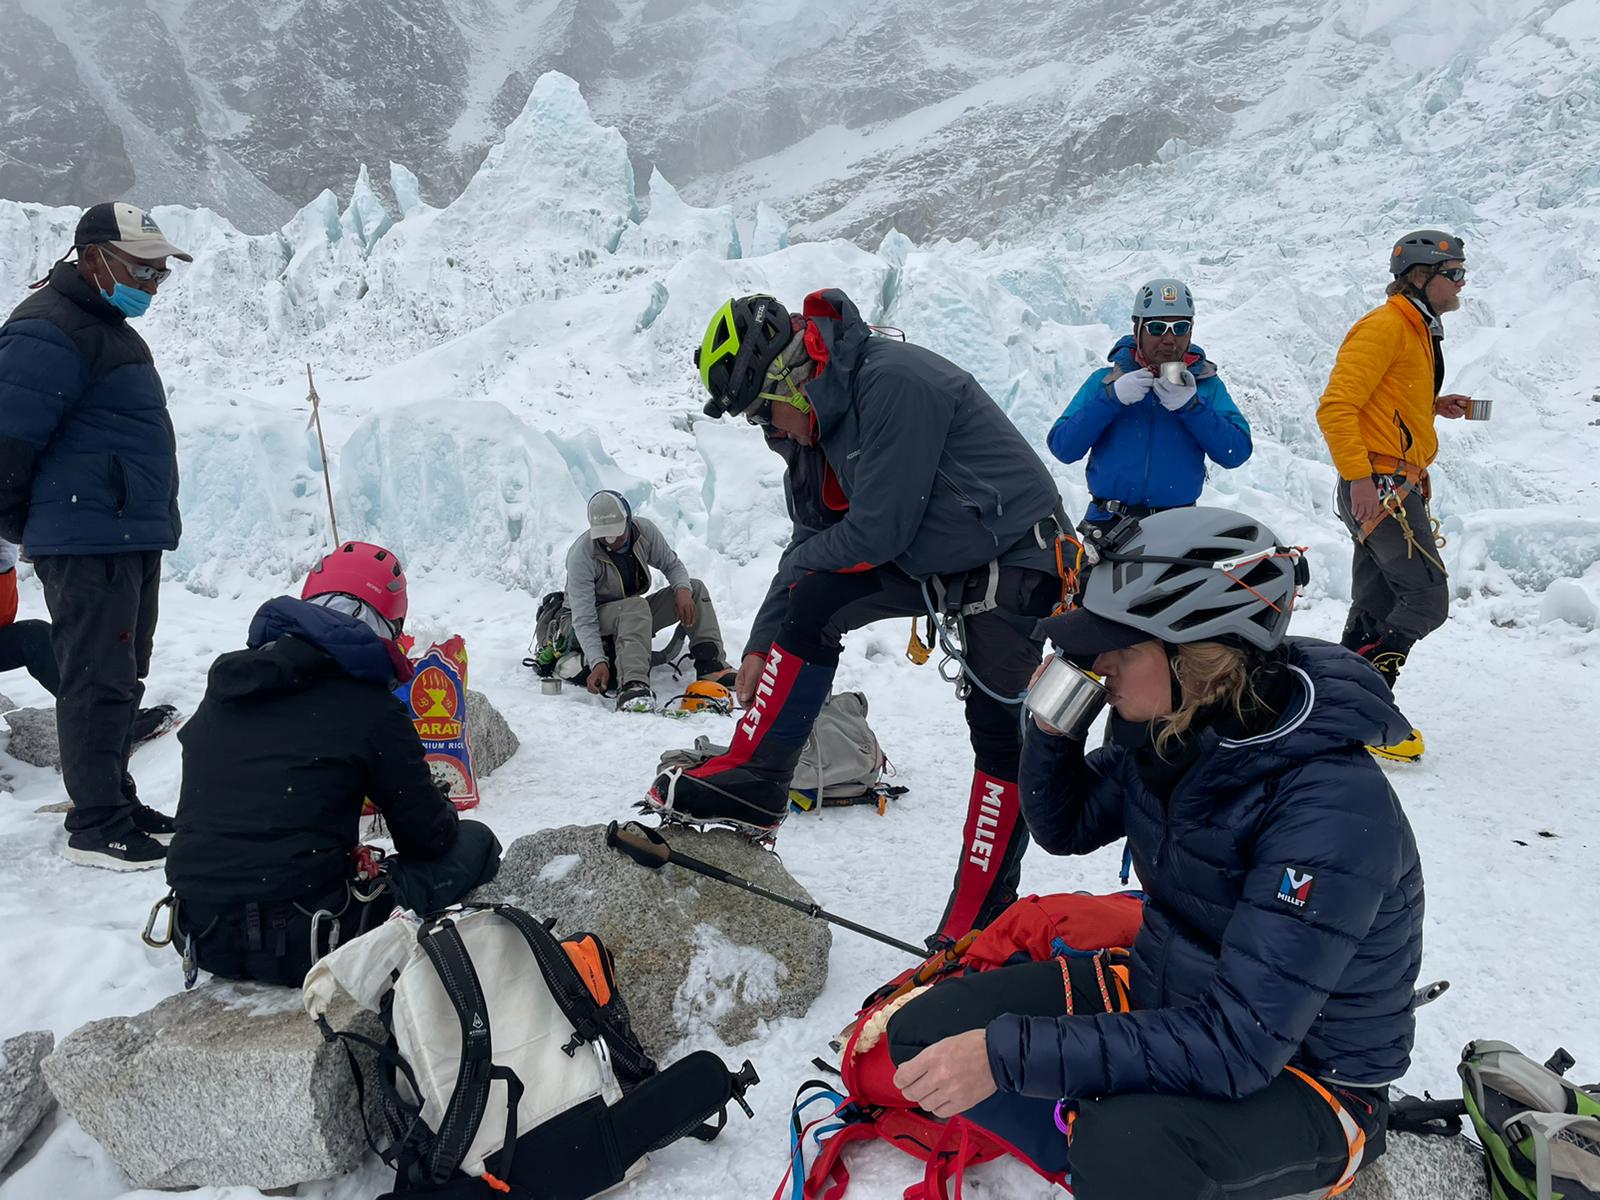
(608,578)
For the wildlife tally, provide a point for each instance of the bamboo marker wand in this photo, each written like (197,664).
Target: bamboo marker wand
(322,449)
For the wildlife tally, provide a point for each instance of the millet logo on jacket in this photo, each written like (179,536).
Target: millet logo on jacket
(1295,889)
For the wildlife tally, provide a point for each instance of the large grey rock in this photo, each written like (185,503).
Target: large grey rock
(492,740)
(33,737)
(690,951)
(24,1098)
(231,1084)
(1423,1168)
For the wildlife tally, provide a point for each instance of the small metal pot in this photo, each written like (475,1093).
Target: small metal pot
(1478,410)
(550,687)
(1066,698)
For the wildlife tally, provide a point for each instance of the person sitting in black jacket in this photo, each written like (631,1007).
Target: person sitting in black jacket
(293,734)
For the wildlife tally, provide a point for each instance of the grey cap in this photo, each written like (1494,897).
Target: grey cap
(608,515)
(1425,248)
(1232,580)
(1163,298)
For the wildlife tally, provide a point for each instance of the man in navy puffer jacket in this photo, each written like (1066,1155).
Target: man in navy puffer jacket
(1272,983)
(1148,438)
(89,486)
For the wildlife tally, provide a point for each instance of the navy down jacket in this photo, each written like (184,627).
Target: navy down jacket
(88,458)
(1141,453)
(1283,923)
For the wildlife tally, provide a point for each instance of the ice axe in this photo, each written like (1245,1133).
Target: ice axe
(649,849)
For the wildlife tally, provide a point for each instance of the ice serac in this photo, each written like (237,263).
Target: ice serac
(673,229)
(365,219)
(771,233)
(407,191)
(465,486)
(556,170)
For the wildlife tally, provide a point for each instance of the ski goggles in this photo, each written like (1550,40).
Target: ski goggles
(1159,328)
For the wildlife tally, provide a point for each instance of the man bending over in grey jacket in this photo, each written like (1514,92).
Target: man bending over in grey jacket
(608,576)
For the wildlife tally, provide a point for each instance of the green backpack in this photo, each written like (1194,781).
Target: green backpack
(1540,1134)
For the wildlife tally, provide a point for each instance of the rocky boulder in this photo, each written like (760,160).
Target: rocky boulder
(690,951)
(1423,1168)
(492,740)
(24,1098)
(33,737)
(230,1084)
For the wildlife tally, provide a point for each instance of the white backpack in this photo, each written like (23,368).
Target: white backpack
(488,1014)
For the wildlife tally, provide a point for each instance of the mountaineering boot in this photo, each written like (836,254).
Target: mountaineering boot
(748,786)
(709,666)
(635,697)
(1407,749)
(130,852)
(1387,653)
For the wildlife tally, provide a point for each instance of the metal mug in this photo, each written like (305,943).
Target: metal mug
(1066,698)
(1478,410)
(1176,373)
(550,687)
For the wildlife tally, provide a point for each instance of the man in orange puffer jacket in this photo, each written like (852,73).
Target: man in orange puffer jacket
(1377,415)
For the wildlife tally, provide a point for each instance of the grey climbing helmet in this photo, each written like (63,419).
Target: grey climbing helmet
(1199,575)
(1425,248)
(1163,298)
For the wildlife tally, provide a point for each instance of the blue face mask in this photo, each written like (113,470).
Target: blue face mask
(130,301)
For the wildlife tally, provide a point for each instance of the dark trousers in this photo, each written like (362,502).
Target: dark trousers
(103,611)
(27,644)
(1282,1141)
(1001,651)
(1394,585)
(277,941)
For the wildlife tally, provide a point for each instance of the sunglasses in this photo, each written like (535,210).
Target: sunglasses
(1159,328)
(142,272)
(1453,274)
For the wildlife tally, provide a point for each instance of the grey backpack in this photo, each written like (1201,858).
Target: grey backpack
(842,762)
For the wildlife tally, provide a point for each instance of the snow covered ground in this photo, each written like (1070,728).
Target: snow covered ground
(485,366)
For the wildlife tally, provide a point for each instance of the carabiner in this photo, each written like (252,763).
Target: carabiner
(170,903)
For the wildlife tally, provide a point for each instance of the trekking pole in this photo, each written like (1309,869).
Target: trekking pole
(649,849)
(322,449)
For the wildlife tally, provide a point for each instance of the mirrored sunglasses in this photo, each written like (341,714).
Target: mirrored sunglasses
(1453,274)
(1157,328)
(142,272)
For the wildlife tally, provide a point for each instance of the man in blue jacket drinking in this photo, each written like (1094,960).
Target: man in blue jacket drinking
(89,487)
(1148,437)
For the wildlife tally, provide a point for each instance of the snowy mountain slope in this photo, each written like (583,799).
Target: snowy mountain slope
(947,120)
(486,364)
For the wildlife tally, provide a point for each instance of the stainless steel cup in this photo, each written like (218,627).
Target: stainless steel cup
(1478,410)
(1066,698)
(1176,372)
(550,687)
